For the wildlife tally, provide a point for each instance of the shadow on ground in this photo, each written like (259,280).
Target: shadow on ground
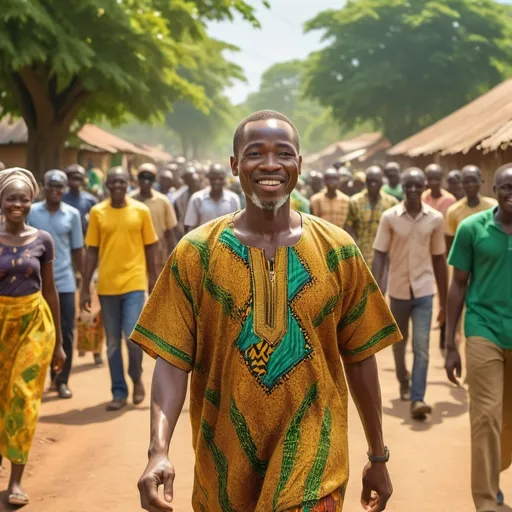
(4,506)
(441,410)
(95,414)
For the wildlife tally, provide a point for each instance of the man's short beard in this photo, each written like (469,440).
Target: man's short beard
(269,206)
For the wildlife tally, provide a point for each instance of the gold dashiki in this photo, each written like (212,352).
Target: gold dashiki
(27,340)
(263,341)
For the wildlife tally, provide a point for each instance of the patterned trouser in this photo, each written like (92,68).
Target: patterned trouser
(331,503)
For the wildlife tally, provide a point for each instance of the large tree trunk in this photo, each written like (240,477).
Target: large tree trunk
(48,113)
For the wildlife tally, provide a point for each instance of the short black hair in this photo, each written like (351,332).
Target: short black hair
(263,115)
(500,171)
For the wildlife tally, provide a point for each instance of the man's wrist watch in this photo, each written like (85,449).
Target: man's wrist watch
(379,458)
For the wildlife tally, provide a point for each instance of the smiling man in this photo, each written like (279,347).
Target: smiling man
(259,306)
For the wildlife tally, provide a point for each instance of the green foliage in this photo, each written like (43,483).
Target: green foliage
(404,64)
(281,89)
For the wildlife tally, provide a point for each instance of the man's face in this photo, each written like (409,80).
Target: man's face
(471,183)
(332,181)
(316,182)
(414,185)
(374,182)
(146,180)
(393,175)
(217,179)
(434,179)
(75,181)
(268,163)
(117,185)
(503,191)
(54,192)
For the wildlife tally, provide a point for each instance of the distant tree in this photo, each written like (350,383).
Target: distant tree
(281,89)
(199,127)
(60,59)
(404,64)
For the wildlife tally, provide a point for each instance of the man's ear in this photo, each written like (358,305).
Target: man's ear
(234,165)
(300,165)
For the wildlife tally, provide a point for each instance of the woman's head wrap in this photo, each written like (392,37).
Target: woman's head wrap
(9,176)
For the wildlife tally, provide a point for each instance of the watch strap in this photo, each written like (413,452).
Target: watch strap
(379,458)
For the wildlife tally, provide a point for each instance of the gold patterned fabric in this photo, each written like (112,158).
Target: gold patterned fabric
(27,339)
(263,341)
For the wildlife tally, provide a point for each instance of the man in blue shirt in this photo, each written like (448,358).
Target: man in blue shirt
(76,196)
(64,225)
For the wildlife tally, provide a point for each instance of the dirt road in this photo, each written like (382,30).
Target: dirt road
(85,459)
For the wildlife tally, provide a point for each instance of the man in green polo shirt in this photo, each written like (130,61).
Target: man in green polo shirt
(482,259)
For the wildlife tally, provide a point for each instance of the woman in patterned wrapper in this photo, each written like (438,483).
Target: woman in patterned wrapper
(29,312)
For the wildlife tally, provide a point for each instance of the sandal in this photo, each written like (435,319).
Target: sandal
(18,499)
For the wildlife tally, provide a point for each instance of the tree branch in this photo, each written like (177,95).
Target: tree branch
(38,92)
(24,101)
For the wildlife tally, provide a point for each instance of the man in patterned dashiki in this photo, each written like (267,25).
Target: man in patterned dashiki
(261,307)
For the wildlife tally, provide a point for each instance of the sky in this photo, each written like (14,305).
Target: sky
(280,38)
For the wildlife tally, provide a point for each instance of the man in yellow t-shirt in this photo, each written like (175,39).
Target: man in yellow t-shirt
(472,203)
(121,241)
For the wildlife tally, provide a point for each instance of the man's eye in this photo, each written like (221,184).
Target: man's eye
(285,153)
(252,153)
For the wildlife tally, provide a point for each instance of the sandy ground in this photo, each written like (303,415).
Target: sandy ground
(85,459)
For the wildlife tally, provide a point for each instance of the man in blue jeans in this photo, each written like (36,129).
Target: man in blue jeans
(63,223)
(412,234)
(121,241)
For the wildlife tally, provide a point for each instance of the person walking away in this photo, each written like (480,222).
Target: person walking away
(192,184)
(268,407)
(83,201)
(454,184)
(409,232)
(365,210)
(212,202)
(30,310)
(482,259)
(121,242)
(393,187)
(440,200)
(331,204)
(162,213)
(469,205)
(64,225)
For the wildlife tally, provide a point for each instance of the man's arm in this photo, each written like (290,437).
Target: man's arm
(441,275)
(363,381)
(78,260)
(449,242)
(379,269)
(456,296)
(170,240)
(167,397)
(150,252)
(91,262)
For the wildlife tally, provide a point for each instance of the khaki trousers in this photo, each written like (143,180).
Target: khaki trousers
(490,392)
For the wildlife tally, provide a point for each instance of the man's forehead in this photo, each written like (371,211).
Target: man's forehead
(268,128)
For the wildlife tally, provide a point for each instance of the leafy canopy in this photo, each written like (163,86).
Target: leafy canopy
(405,64)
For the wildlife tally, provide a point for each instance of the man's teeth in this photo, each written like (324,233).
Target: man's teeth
(270,182)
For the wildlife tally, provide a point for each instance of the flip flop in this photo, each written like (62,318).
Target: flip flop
(18,499)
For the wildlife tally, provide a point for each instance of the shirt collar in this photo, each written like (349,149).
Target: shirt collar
(208,193)
(58,210)
(401,209)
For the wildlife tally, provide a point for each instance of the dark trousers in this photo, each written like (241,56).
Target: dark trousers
(67,325)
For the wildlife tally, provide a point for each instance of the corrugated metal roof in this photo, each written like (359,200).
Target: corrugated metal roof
(465,128)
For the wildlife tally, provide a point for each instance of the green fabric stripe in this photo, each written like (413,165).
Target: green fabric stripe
(162,344)
(314,478)
(213,397)
(184,288)
(334,256)
(221,465)
(244,436)
(326,310)
(220,295)
(228,238)
(357,312)
(291,441)
(201,488)
(376,338)
(203,250)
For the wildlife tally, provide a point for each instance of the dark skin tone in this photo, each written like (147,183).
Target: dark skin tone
(15,202)
(217,179)
(166,181)
(75,183)
(117,184)
(471,184)
(434,175)
(332,181)
(454,180)
(316,182)
(414,184)
(458,287)
(392,172)
(267,154)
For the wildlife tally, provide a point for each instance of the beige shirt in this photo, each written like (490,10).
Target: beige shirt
(410,244)
(162,212)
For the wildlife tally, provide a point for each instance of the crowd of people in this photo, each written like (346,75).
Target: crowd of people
(289,273)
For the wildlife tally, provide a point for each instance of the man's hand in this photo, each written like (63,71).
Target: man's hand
(377,488)
(85,300)
(441,317)
(59,358)
(453,365)
(159,471)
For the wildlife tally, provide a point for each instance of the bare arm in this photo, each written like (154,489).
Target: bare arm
(170,240)
(351,231)
(449,242)
(441,275)
(78,260)
(168,393)
(91,262)
(150,251)
(379,269)
(52,298)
